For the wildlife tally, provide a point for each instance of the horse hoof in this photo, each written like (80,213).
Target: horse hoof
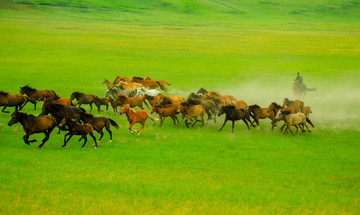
(110,141)
(95,147)
(138,134)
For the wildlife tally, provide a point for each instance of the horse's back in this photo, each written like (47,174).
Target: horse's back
(40,123)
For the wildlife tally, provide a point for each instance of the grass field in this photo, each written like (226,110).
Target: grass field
(249,49)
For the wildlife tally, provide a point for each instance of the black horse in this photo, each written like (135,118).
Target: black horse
(60,111)
(234,114)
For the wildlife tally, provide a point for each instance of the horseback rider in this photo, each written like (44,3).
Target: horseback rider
(299,79)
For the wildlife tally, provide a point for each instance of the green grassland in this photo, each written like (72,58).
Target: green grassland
(249,49)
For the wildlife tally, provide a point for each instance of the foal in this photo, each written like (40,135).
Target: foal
(78,129)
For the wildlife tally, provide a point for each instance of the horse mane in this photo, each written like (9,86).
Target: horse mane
(137,78)
(28,88)
(166,101)
(276,105)
(192,102)
(254,106)
(202,90)
(3,93)
(20,115)
(77,95)
(214,93)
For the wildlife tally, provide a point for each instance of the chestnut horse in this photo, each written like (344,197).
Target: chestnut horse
(260,113)
(133,117)
(11,100)
(166,112)
(33,124)
(57,100)
(36,95)
(160,82)
(121,99)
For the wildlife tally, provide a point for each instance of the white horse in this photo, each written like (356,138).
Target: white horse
(141,91)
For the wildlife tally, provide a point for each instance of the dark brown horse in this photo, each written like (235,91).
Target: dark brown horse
(133,117)
(78,129)
(99,123)
(36,95)
(83,98)
(233,114)
(12,100)
(33,124)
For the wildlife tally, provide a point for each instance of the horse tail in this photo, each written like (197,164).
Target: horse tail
(308,121)
(161,87)
(155,120)
(167,83)
(113,123)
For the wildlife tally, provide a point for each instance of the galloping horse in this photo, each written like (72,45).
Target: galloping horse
(56,100)
(83,98)
(139,116)
(300,89)
(108,83)
(120,100)
(234,114)
(98,122)
(131,87)
(273,109)
(192,111)
(33,124)
(260,113)
(11,100)
(160,82)
(102,101)
(296,119)
(296,104)
(78,129)
(36,95)
(225,99)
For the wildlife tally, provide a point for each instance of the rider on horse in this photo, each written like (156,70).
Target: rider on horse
(299,79)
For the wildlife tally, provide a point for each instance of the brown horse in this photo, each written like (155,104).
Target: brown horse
(36,95)
(296,104)
(274,108)
(151,84)
(160,82)
(33,124)
(306,110)
(122,99)
(192,111)
(139,116)
(118,79)
(56,100)
(108,83)
(153,99)
(241,104)
(98,122)
(166,112)
(225,99)
(131,87)
(83,98)
(12,100)
(102,101)
(77,129)
(259,113)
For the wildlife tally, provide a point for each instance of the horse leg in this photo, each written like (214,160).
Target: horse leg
(246,123)
(66,141)
(288,128)
(25,138)
(3,110)
(162,120)
(202,120)
(92,135)
(109,131)
(307,128)
(223,125)
(131,125)
(90,107)
(194,122)
(102,134)
(47,135)
(85,140)
(186,122)
(142,127)
(233,125)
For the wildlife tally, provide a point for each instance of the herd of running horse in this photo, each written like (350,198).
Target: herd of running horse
(132,92)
